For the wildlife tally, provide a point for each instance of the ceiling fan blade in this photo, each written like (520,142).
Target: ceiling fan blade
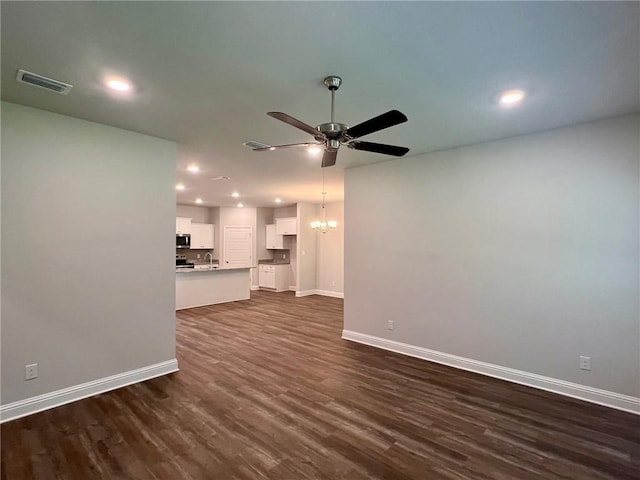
(294,122)
(277,147)
(386,120)
(378,148)
(329,158)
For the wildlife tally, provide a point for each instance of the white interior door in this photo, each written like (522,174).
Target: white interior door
(238,245)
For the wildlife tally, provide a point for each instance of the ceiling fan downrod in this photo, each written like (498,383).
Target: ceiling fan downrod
(332,132)
(333,83)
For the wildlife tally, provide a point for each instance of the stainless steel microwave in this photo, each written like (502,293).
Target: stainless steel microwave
(183,241)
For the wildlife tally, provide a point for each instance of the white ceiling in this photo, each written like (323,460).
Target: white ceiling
(206,73)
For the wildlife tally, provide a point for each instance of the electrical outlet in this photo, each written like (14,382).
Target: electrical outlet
(31,371)
(585,363)
(390,325)
(198,256)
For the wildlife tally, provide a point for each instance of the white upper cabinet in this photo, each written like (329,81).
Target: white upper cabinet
(273,240)
(202,235)
(286,226)
(183,225)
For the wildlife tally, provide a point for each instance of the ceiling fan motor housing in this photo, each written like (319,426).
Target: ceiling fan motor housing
(332,130)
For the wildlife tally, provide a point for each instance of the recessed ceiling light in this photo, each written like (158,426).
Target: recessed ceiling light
(511,98)
(314,149)
(198,200)
(180,186)
(118,84)
(240,205)
(272,148)
(193,168)
(235,194)
(278,200)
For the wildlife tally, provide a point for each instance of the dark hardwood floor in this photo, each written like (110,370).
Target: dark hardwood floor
(268,390)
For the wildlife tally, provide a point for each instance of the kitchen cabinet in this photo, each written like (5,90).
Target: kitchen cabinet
(286,226)
(273,277)
(202,235)
(183,226)
(273,240)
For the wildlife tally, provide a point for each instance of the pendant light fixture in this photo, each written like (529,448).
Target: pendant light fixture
(323,226)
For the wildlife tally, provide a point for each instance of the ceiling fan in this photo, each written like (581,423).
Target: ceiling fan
(332,134)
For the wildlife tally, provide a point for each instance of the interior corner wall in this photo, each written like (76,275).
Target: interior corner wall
(264,217)
(73,298)
(306,248)
(195,213)
(214,217)
(521,253)
(285,212)
(330,253)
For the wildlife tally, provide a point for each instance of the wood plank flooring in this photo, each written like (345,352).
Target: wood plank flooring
(268,390)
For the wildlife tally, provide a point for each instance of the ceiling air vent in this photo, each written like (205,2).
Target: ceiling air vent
(43,82)
(255,144)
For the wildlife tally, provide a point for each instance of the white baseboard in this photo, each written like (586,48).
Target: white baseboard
(325,293)
(574,390)
(304,293)
(49,400)
(255,287)
(329,293)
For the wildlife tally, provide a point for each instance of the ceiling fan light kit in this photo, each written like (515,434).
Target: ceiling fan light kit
(332,134)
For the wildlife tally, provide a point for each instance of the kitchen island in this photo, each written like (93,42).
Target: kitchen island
(196,287)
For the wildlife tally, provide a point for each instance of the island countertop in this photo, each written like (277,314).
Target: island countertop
(198,268)
(206,268)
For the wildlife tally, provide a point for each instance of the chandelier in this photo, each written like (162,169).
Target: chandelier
(323,226)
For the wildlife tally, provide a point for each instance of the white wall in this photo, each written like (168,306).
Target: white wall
(306,248)
(330,253)
(521,253)
(75,298)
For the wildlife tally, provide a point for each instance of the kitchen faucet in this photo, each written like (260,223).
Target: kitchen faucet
(210,258)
